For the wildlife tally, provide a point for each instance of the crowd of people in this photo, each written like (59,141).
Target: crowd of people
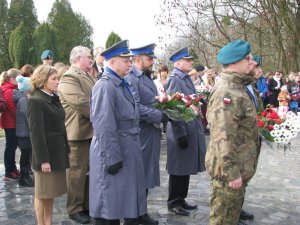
(89,130)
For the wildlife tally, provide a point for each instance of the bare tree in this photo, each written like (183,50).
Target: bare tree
(272,28)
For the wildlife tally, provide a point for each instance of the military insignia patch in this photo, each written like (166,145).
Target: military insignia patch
(227,100)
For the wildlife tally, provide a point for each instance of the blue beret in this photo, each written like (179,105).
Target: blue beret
(145,50)
(233,52)
(47,54)
(257,59)
(118,49)
(181,54)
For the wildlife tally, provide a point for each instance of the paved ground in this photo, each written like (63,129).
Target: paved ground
(273,194)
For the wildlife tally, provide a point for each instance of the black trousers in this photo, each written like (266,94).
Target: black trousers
(101,221)
(178,189)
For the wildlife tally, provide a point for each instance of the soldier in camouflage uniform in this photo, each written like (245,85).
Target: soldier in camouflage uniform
(232,154)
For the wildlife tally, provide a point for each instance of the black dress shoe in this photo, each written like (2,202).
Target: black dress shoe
(80,217)
(147,220)
(187,206)
(179,210)
(241,223)
(246,216)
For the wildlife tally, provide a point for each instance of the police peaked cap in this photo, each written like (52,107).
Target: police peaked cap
(181,54)
(144,50)
(118,49)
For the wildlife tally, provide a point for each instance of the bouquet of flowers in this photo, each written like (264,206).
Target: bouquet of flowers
(278,127)
(179,107)
(202,90)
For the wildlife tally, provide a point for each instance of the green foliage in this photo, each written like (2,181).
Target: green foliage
(226,21)
(22,11)
(43,38)
(112,39)
(85,32)
(176,109)
(71,29)
(5,62)
(19,46)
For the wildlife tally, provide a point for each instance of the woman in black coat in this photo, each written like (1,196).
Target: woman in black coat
(274,85)
(48,136)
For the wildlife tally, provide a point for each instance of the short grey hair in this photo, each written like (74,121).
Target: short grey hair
(77,52)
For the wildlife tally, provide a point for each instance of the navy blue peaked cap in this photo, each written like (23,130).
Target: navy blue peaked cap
(119,49)
(181,54)
(144,50)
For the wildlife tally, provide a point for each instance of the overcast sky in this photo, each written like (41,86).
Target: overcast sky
(130,19)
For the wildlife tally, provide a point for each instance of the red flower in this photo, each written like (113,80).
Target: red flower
(178,96)
(270,127)
(197,99)
(188,103)
(264,113)
(260,123)
(273,115)
(187,97)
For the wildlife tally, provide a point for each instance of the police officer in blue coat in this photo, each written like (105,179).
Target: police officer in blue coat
(186,147)
(144,92)
(117,182)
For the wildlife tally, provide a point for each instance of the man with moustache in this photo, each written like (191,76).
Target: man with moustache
(117,182)
(231,159)
(74,91)
(185,141)
(144,92)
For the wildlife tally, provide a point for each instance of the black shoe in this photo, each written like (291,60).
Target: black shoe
(241,223)
(185,205)
(179,210)
(131,221)
(26,181)
(80,217)
(147,220)
(246,216)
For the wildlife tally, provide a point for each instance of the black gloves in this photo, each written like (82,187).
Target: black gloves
(164,118)
(183,142)
(113,169)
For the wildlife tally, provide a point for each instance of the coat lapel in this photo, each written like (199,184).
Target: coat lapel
(149,83)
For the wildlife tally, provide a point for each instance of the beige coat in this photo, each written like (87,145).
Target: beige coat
(74,91)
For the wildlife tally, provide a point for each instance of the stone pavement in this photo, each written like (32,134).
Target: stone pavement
(273,195)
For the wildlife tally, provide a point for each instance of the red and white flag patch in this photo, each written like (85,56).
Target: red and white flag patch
(227,100)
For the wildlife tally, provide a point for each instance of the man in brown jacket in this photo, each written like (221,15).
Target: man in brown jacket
(74,90)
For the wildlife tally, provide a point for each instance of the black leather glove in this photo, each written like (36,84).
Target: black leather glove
(164,118)
(113,169)
(183,142)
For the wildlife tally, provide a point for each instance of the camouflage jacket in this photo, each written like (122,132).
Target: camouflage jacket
(233,147)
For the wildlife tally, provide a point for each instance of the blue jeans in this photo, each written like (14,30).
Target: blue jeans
(10,150)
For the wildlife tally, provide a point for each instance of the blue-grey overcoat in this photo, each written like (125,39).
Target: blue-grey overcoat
(115,117)
(191,160)
(144,91)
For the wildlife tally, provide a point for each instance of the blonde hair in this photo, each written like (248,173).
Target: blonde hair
(41,75)
(11,73)
(209,80)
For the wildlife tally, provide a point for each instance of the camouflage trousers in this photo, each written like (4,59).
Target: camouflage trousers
(225,204)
